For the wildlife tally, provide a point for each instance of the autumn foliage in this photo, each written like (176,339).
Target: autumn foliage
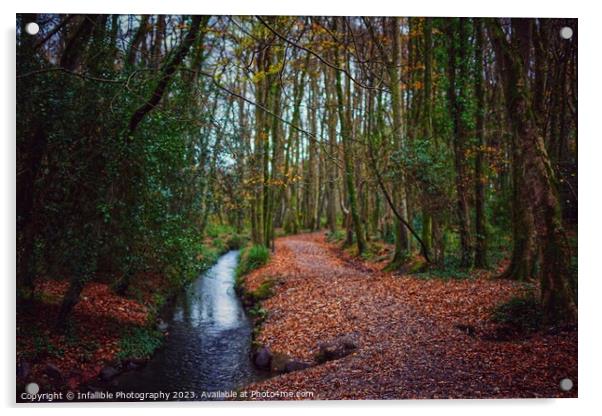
(418,338)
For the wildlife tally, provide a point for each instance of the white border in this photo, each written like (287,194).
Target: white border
(590,288)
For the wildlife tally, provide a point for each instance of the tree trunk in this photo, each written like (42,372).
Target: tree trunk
(347,158)
(332,149)
(166,75)
(480,260)
(138,38)
(557,292)
(427,129)
(399,192)
(457,108)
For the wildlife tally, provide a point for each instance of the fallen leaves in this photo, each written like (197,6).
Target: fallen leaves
(91,340)
(97,299)
(409,344)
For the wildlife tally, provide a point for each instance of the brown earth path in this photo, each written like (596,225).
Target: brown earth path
(409,345)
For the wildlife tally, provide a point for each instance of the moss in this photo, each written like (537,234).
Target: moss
(399,263)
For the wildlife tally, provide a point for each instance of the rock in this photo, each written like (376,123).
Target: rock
(130,365)
(134,363)
(295,365)
(23,369)
(336,348)
(108,373)
(162,325)
(279,362)
(263,358)
(53,372)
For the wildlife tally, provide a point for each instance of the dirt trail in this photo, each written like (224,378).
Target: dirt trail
(409,345)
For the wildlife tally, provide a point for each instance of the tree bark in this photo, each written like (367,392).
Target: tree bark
(480,260)
(402,244)
(457,107)
(539,186)
(347,158)
(166,76)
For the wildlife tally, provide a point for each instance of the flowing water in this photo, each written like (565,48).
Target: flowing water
(208,347)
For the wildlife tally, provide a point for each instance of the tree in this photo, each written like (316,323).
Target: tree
(480,259)
(402,241)
(344,121)
(458,100)
(538,189)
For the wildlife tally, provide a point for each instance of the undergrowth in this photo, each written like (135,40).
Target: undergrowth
(523,313)
(139,343)
(252,258)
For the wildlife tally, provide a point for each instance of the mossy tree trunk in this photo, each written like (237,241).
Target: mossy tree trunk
(347,159)
(539,184)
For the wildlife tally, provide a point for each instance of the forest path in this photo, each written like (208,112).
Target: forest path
(408,342)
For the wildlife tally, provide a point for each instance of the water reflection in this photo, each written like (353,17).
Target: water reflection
(209,340)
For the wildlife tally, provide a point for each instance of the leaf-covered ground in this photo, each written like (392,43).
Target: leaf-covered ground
(417,338)
(90,341)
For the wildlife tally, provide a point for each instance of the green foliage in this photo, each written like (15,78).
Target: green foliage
(184,256)
(257,312)
(375,251)
(42,347)
(265,290)
(108,202)
(207,256)
(522,313)
(139,343)
(159,300)
(215,230)
(450,270)
(252,258)
(338,235)
(236,241)
(219,245)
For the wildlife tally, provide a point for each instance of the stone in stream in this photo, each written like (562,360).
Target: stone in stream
(162,326)
(133,363)
(108,373)
(263,358)
(336,348)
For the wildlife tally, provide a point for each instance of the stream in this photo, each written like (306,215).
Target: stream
(209,341)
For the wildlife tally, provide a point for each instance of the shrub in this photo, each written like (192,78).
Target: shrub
(219,245)
(338,235)
(215,230)
(42,347)
(258,313)
(252,258)
(236,241)
(139,343)
(444,274)
(264,291)
(207,256)
(522,313)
